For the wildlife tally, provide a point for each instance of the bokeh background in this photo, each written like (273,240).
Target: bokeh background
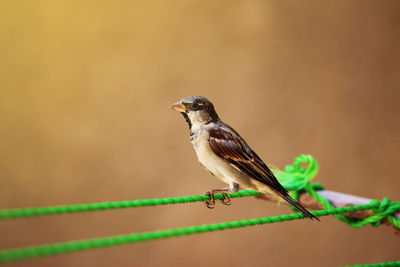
(85,90)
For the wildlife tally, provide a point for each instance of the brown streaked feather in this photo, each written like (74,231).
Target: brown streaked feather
(226,143)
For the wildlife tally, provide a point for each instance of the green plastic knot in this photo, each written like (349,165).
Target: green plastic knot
(385,209)
(383,205)
(297,179)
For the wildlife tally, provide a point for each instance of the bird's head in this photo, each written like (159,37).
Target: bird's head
(197,110)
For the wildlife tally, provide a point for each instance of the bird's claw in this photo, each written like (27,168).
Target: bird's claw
(211,203)
(227,200)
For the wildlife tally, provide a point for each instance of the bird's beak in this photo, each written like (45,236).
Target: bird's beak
(178,106)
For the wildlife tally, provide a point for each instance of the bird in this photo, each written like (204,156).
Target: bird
(226,155)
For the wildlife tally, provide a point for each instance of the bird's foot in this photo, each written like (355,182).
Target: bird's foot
(227,200)
(211,203)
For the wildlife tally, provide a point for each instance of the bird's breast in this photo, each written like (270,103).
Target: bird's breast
(209,159)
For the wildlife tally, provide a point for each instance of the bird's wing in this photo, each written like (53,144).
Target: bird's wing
(226,143)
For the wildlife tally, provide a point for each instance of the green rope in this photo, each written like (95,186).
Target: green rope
(294,178)
(79,245)
(382,264)
(40,211)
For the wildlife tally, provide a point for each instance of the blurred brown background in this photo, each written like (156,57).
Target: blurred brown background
(85,90)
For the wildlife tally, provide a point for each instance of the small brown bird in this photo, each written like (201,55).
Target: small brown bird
(223,152)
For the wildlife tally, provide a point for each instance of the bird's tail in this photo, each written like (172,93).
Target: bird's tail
(299,207)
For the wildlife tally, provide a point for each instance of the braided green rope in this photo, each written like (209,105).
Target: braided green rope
(382,264)
(294,178)
(40,211)
(79,245)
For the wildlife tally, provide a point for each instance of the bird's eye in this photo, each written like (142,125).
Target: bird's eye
(196,105)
